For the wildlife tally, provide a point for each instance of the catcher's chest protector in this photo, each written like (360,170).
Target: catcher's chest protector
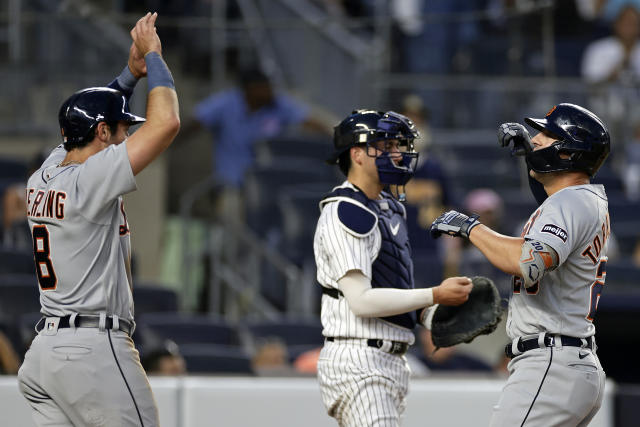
(393,267)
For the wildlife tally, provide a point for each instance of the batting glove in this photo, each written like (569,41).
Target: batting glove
(518,134)
(454,224)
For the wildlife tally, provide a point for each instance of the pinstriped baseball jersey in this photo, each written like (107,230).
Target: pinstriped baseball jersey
(338,251)
(575,222)
(81,236)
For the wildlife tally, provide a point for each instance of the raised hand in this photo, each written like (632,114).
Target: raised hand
(144,35)
(136,63)
(518,134)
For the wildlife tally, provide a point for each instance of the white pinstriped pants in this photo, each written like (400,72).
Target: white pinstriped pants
(361,385)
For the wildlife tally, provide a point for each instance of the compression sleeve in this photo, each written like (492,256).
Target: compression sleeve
(365,301)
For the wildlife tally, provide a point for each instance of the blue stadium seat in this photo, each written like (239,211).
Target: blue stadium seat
(150,298)
(264,184)
(310,147)
(185,328)
(12,261)
(16,299)
(216,359)
(13,170)
(25,279)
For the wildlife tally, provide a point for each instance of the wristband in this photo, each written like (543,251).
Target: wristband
(158,73)
(126,80)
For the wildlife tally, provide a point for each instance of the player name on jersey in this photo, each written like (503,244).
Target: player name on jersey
(49,204)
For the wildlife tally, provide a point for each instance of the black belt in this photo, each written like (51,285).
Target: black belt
(87,322)
(332,292)
(391,347)
(548,341)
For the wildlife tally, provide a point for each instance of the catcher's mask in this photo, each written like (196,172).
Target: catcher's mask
(582,138)
(391,133)
(83,110)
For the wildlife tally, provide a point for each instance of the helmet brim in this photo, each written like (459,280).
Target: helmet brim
(539,124)
(132,119)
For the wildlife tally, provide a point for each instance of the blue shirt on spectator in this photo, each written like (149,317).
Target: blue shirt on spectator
(236,129)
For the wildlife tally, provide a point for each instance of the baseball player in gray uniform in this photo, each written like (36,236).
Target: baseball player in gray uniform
(82,368)
(363,258)
(559,270)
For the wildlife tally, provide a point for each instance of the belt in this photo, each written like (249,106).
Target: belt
(88,322)
(543,340)
(391,347)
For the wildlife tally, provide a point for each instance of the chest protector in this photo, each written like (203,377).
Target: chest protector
(393,267)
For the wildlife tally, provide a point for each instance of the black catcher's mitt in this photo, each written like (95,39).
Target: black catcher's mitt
(479,315)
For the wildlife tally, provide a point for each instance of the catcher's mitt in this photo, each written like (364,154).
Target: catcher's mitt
(479,315)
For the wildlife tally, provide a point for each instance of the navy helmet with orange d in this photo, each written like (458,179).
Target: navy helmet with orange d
(83,110)
(583,142)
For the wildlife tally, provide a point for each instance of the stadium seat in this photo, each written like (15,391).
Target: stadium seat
(12,170)
(185,328)
(150,298)
(25,279)
(216,359)
(264,184)
(310,147)
(12,261)
(16,299)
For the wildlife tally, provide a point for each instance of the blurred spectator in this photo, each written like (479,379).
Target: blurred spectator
(165,360)
(609,10)
(448,358)
(612,66)
(240,117)
(15,233)
(15,230)
(307,362)
(631,168)
(271,358)
(9,360)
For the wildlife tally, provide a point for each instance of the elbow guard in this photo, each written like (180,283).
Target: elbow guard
(536,259)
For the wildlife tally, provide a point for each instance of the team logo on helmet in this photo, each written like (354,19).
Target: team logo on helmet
(551,111)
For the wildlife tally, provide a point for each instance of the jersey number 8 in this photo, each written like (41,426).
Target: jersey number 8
(41,252)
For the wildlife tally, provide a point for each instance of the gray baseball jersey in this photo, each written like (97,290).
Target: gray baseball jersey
(81,234)
(360,385)
(74,376)
(559,385)
(574,222)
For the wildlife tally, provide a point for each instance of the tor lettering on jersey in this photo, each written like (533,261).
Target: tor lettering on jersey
(556,231)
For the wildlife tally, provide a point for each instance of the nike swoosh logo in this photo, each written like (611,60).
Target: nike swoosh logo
(582,355)
(395,228)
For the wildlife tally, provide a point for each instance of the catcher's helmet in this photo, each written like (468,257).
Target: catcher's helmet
(581,135)
(83,110)
(363,127)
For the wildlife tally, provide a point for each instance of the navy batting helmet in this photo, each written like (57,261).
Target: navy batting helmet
(83,110)
(583,139)
(363,127)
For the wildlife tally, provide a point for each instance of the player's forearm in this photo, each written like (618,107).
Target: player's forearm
(502,251)
(365,301)
(163,118)
(157,133)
